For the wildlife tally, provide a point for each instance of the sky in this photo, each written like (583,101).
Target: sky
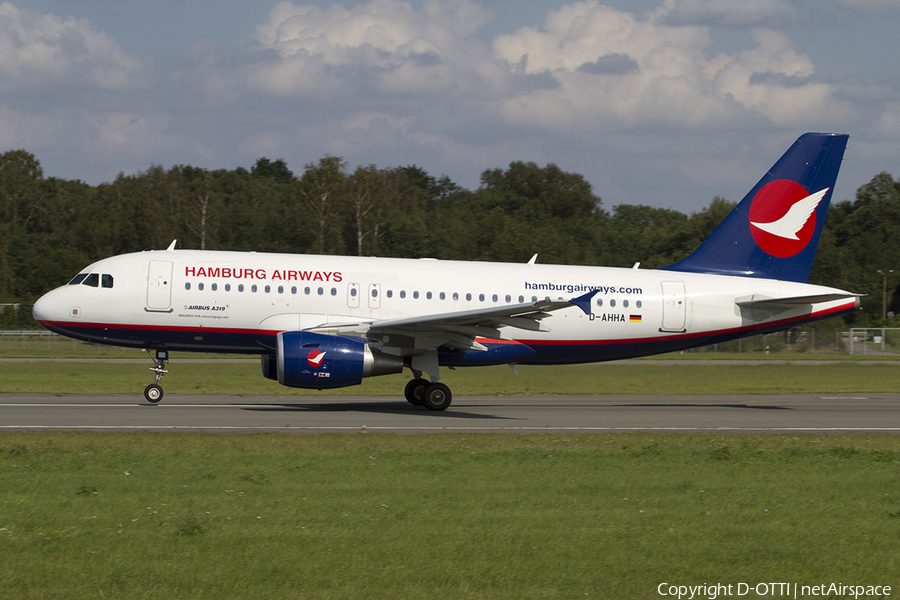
(666,103)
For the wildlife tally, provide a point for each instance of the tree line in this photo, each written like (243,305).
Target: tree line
(50,228)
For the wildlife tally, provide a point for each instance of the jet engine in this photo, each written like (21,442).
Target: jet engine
(316,361)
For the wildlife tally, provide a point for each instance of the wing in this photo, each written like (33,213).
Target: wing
(455,330)
(795,218)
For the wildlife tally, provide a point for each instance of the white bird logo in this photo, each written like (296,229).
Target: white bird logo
(315,361)
(795,218)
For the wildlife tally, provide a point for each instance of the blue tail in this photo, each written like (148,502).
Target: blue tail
(774,231)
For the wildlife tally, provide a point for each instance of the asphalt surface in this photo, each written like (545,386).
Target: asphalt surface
(865,413)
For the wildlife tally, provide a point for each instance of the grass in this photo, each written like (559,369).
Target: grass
(635,377)
(452,515)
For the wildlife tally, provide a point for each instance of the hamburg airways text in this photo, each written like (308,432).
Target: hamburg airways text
(282,274)
(572,288)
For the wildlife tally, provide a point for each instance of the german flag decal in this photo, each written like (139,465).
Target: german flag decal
(634,319)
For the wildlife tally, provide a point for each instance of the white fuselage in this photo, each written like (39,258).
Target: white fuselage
(238,302)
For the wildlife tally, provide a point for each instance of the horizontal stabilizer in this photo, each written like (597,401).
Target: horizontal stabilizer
(758,301)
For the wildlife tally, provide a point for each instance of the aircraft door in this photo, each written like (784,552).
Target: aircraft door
(374,295)
(159,286)
(353,295)
(674,306)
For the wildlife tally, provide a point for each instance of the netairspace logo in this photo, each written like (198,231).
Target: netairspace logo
(772,590)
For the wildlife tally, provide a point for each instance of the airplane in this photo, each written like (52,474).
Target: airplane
(321,322)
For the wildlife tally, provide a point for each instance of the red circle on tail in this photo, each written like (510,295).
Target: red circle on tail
(769,205)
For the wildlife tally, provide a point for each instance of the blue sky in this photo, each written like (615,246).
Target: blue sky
(660,102)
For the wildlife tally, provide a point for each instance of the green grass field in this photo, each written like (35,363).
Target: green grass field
(143,515)
(440,516)
(635,377)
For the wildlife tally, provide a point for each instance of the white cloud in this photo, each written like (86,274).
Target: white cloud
(383,45)
(776,82)
(889,123)
(38,50)
(674,82)
(729,13)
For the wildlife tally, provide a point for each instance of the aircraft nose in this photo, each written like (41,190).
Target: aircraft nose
(45,308)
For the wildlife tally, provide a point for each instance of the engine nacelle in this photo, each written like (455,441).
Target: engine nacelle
(316,361)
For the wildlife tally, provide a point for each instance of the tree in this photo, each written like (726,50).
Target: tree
(323,188)
(276,170)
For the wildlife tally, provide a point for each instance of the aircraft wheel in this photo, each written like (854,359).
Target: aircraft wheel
(437,396)
(153,393)
(414,391)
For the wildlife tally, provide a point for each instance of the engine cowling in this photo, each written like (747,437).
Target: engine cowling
(317,361)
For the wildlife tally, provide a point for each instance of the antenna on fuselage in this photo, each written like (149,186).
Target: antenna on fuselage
(171,246)
(533,260)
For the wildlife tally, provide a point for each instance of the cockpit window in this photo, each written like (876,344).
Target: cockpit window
(78,279)
(92,280)
(106,281)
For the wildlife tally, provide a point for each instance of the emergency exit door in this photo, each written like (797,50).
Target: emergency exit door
(674,306)
(159,286)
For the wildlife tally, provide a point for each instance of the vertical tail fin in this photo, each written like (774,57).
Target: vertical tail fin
(774,231)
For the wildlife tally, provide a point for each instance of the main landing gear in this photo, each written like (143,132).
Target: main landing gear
(154,392)
(431,395)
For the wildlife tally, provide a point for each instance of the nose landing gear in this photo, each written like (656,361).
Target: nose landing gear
(154,392)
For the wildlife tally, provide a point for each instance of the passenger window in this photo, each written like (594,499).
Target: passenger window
(390,293)
(403,293)
(599,301)
(280,289)
(78,279)
(293,289)
(494,298)
(612,303)
(306,291)
(624,303)
(253,288)
(521,299)
(106,281)
(240,287)
(320,291)
(267,289)
(334,291)
(468,297)
(200,286)
(92,280)
(416,295)
(187,285)
(443,296)
(638,303)
(214,286)
(455,296)
(481,297)
(428,295)
(227,287)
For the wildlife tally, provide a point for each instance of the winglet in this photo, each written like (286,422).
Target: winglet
(584,301)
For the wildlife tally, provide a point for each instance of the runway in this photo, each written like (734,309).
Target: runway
(815,413)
